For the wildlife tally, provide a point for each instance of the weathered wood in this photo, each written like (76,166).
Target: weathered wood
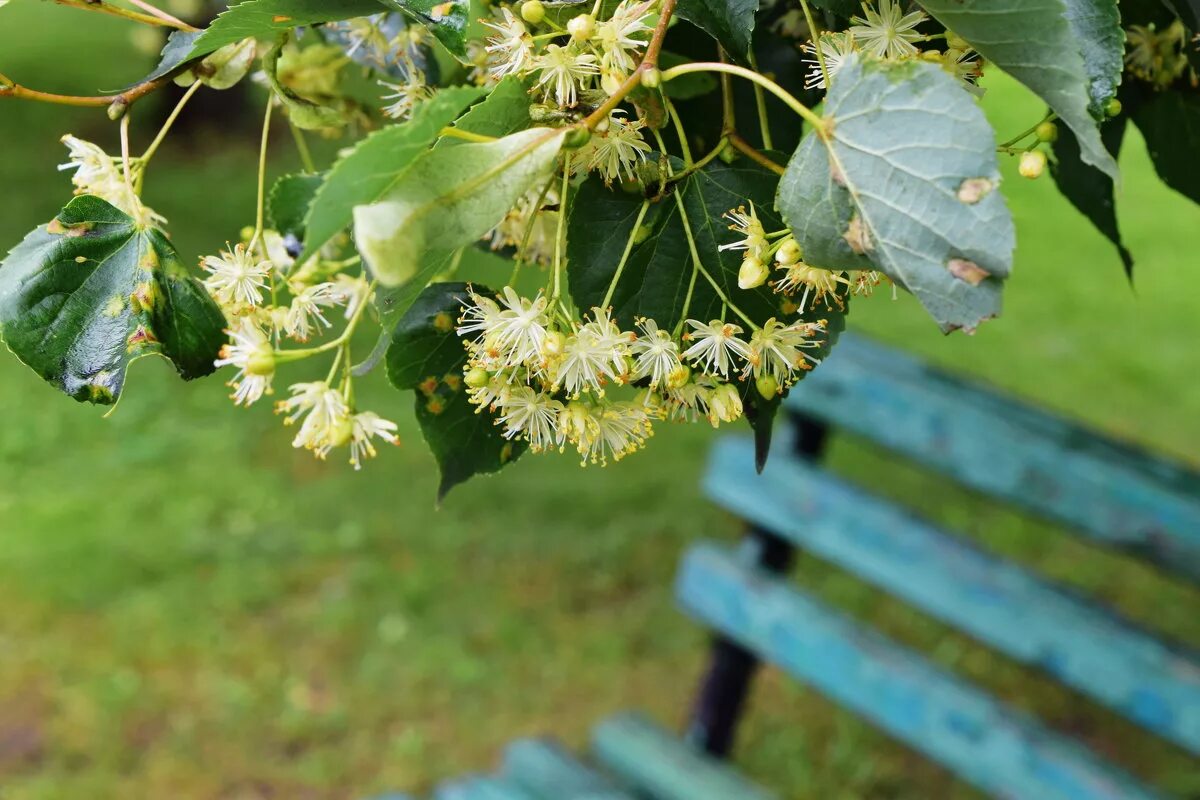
(663,767)
(989,744)
(479,787)
(547,771)
(1117,494)
(994,600)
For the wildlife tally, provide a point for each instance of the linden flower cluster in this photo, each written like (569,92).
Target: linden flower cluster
(98,174)
(573,69)
(814,285)
(266,298)
(886,32)
(548,379)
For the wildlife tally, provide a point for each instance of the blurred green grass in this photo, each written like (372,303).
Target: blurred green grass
(192,609)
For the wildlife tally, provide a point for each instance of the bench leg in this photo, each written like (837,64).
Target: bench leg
(723,692)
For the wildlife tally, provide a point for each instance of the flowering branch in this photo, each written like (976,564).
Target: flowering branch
(116,103)
(649,62)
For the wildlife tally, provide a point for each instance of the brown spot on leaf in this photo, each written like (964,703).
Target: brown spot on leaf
(967,271)
(281,18)
(435,406)
(452,381)
(139,337)
(506,453)
(835,172)
(443,322)
(428,386)
(73,231)
(972,190)
(857,237)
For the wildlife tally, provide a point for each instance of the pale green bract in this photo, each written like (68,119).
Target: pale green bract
(905,183)
(450,198)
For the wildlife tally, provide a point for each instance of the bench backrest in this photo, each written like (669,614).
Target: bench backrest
(1111,493)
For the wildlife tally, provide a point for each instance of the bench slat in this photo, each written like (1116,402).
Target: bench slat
(1116,494)
(989,744)
(994,600)
(548,771)
(661,765)
(479,787)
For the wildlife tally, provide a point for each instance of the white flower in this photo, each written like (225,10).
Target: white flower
(657,356)
(616,35)
(724,404)
(304,314)
(819,284)
(531,415)
(836,48)
(407,95)
(777,349)
(888,32)
(690,400)
(618,149)
(493,394)
(364,425)
(480,319)
(511,48)
(966,68)
(520,328)
(586,363)
(604,430)
(716,346)
(96,173)
(563,69)
(235,277)
(748,226)
(250,351)
(327,420)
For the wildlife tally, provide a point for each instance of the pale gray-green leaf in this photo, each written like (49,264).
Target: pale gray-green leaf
(450,198)
(886,190)
(372,168)
(1033,41)
(1097,27)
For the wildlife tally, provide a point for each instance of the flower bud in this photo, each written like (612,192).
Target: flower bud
(1047,132)
(576,137)
(956,42)
(678,377)
(767,386)
(477,377)
(1112,108)
(652,78)
(724,404)
(1033,163)
(582,27)
(642,233)
(341,431)
(261,362)
(117,108)
(533,12)
(554,343)
(931,55)
(788,253)
(753,273)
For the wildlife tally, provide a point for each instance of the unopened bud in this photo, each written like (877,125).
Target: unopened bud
(582,27)
(788,253)
(533,12)
(931,55)
(554,343)
(753,273)
(341,432)
(1047,132)
(477,377)
(724,404)
(117,108)
(956,42)
(1033,163)
(577,137)
(651,78)
(767,386)
(1112,108)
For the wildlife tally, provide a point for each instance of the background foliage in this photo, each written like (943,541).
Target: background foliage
(179,619)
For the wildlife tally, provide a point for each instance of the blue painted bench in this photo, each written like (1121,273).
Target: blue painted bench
(1112,494)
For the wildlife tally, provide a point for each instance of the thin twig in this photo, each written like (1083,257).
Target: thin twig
(164,20)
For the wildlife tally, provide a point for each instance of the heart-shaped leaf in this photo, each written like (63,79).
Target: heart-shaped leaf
(83,297)
(902,179)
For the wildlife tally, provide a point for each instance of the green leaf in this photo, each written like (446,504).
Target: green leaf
(303,112)
(372,168)
(268,18)
(427,356)
(913,192)
(503,112)
(730,22)
(1089,189)
(86,295)
(447,20)
(449,198)
(175,54)
(1033,41)
(1170,123)
(1101,39)
(289,201)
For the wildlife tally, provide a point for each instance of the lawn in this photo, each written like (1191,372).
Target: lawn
(192,609)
